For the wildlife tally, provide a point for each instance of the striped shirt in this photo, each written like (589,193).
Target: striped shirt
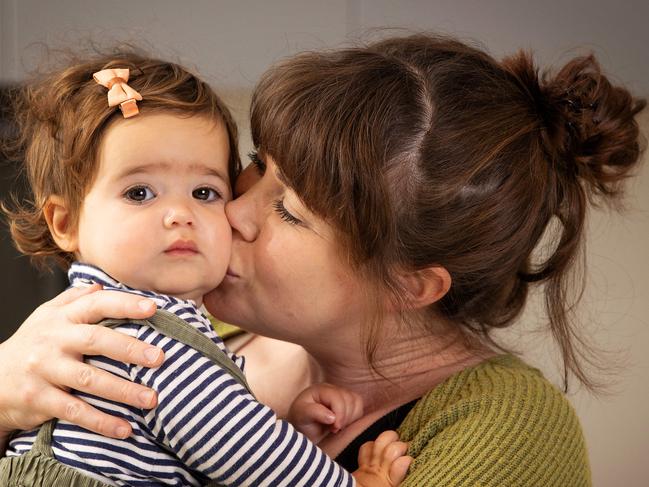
(205,426)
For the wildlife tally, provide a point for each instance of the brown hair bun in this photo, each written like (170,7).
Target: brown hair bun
(588,124)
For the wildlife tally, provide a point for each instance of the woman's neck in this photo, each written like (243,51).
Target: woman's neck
(407,364)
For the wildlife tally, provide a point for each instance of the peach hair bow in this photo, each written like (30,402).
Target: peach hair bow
(119,92)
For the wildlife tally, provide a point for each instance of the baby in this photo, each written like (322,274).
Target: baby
(130,194)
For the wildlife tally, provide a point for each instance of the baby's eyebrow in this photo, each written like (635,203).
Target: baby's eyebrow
(146,168)
(210,171)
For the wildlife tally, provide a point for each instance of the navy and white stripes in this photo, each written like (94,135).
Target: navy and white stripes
(206,425)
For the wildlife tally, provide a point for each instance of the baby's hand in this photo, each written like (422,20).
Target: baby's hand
(322,409)
(382,463)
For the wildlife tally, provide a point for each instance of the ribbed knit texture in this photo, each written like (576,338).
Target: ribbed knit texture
(500,423)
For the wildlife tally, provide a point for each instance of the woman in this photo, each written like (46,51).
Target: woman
(402,191)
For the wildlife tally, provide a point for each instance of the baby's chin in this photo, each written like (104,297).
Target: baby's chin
(194,294)
(179,286)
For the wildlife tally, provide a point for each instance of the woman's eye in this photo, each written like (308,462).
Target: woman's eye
(139,194)
(278,205)
(206,194)
(259,164)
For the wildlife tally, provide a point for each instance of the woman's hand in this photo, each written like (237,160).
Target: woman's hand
(44,359)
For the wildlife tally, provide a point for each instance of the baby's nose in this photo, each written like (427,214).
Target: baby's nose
(178,215)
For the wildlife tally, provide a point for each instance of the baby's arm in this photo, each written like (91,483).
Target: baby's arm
(324,408)
(216,428)
(383,463)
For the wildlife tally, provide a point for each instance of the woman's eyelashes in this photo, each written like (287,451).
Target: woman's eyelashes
(278,205)
(259,164)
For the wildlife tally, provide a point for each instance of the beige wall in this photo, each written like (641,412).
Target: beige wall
(232,42)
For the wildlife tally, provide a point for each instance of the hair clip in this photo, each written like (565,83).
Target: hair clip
(119,92)
(575,104)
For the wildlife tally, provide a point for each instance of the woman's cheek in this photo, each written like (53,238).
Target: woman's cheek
(282,274)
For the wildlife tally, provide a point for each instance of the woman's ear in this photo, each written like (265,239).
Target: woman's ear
(426,286)
(58,219)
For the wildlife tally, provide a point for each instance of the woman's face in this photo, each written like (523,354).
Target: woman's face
(287,278)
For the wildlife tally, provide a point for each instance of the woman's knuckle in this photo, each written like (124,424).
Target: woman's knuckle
(32,362)
(29,394)
(72,410)
(90,303)
(92,336)
(125,392)
(131,350)
(100,425)
(85,377)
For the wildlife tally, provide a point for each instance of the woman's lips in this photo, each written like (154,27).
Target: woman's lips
(182,248)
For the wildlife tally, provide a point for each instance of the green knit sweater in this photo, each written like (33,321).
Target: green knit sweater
(500,423)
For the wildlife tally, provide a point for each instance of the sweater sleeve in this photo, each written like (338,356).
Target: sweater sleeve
(216,428)
(495,427)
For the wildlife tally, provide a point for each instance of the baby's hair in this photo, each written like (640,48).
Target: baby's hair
(60,118)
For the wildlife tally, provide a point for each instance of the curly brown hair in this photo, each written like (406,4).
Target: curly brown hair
(60,117)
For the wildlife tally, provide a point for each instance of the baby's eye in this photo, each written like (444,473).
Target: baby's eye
(206,194)
(139,194)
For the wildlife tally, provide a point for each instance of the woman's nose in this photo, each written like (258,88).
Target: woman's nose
(243,214)
(178,214)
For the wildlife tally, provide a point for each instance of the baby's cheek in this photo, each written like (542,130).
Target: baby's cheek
(220,240)
(132,252)
(133,244)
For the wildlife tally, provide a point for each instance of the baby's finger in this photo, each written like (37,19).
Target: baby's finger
(394,451)
(383,440)
(330,396)
(64,406)
(399,470)
(346,405)
(100,340)
(319,413)
(94,307)
(98,382)
(356,407)
(365,453)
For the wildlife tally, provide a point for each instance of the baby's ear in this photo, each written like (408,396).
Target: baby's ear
(58,220)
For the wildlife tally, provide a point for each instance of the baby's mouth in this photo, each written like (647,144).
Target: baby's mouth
(182,247)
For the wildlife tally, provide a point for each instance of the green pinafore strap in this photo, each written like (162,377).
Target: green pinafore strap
(39,468)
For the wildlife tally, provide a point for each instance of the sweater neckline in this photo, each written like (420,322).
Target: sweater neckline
(348,458)
(392,420)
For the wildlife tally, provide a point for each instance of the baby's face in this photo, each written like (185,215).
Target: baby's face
(154,217)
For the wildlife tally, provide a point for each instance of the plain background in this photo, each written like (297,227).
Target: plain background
(231,43)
